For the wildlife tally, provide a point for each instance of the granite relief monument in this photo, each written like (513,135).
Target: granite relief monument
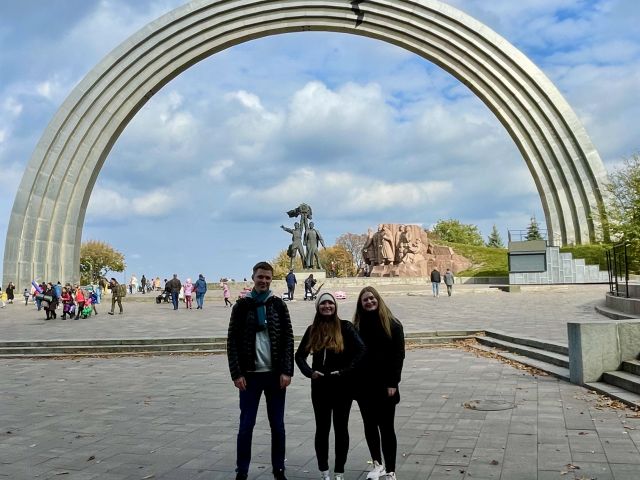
(397,250)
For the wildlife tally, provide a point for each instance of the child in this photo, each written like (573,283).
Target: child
(26,297)
(94,299)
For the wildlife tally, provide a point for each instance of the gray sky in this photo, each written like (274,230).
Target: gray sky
(363,131)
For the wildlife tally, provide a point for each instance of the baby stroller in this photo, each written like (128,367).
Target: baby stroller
(164,296)
(310,293)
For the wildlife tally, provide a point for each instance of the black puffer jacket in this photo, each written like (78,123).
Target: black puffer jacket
(241,338)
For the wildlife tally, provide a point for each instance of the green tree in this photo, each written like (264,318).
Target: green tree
(453,231)
(494,240)
(533,230)
(622,220)
(98,258)
(353,243)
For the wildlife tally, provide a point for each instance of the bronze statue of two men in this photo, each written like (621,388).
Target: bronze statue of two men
(305,239)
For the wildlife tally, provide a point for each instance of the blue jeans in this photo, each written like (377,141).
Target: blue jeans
(174,299)
(257,383)
(435,286)
(199,299)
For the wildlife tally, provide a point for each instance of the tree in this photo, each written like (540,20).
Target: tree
(533,231)
(281,265)
(453,231)
(622,221)
(353,243)
(345,266)
(98,258)
(494,240)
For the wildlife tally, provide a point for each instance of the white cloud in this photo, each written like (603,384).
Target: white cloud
(315,110)
(246,99)
(346,194)
(12,106)
(104,202)
(216,171)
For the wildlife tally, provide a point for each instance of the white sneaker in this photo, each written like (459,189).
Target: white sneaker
(376,472)
(391,475)
(338,476)
(324,475)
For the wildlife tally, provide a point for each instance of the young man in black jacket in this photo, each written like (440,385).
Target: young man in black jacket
(260,354)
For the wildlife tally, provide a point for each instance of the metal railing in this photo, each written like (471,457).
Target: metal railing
(521,235)
(618,268)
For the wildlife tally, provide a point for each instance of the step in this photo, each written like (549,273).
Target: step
(553,358)
(113,354)
(110,341)
(552,369)
(614,314)
(101,349)
(432,340)
(625,380)
(630,398)
(530,342)
(443,333)
(631,366)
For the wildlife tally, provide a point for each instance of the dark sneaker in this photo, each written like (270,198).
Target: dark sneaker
(279,475)
(241,476)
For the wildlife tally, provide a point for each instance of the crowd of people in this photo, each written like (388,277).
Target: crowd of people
(360,360)
(70,301)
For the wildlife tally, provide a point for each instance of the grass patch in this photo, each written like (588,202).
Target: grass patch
(486,262)
(593,254)
(493,262)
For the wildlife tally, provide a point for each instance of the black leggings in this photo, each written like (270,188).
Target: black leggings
(328,399)
(378,414)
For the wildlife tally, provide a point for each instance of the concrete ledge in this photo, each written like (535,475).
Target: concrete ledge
(598,347)
(630,306)
(613,314)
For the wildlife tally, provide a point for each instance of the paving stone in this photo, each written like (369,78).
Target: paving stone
(176,417)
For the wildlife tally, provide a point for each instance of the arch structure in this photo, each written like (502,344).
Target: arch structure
(45,229)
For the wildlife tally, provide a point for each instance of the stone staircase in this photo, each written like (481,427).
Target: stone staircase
(549,357)
(553,358)
(171,346)
(561,268)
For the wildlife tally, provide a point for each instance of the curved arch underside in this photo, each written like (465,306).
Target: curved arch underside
(45,230)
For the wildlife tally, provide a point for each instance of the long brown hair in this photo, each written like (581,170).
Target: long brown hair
(384,314)
(325,333)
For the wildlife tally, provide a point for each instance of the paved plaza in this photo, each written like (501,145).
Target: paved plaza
(540,312)
(175,417)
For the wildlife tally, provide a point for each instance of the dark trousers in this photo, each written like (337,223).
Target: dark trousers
(115,300)
(331,399)
(79,310)
(257,384)
(291,289)
(378,414)
(174,299)
(199,299)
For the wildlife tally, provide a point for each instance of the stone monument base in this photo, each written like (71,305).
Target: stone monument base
(301,275)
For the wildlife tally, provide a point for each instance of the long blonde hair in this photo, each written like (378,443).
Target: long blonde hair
(325,334)
(385,315)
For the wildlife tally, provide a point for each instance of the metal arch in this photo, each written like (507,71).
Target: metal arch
(45,229)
